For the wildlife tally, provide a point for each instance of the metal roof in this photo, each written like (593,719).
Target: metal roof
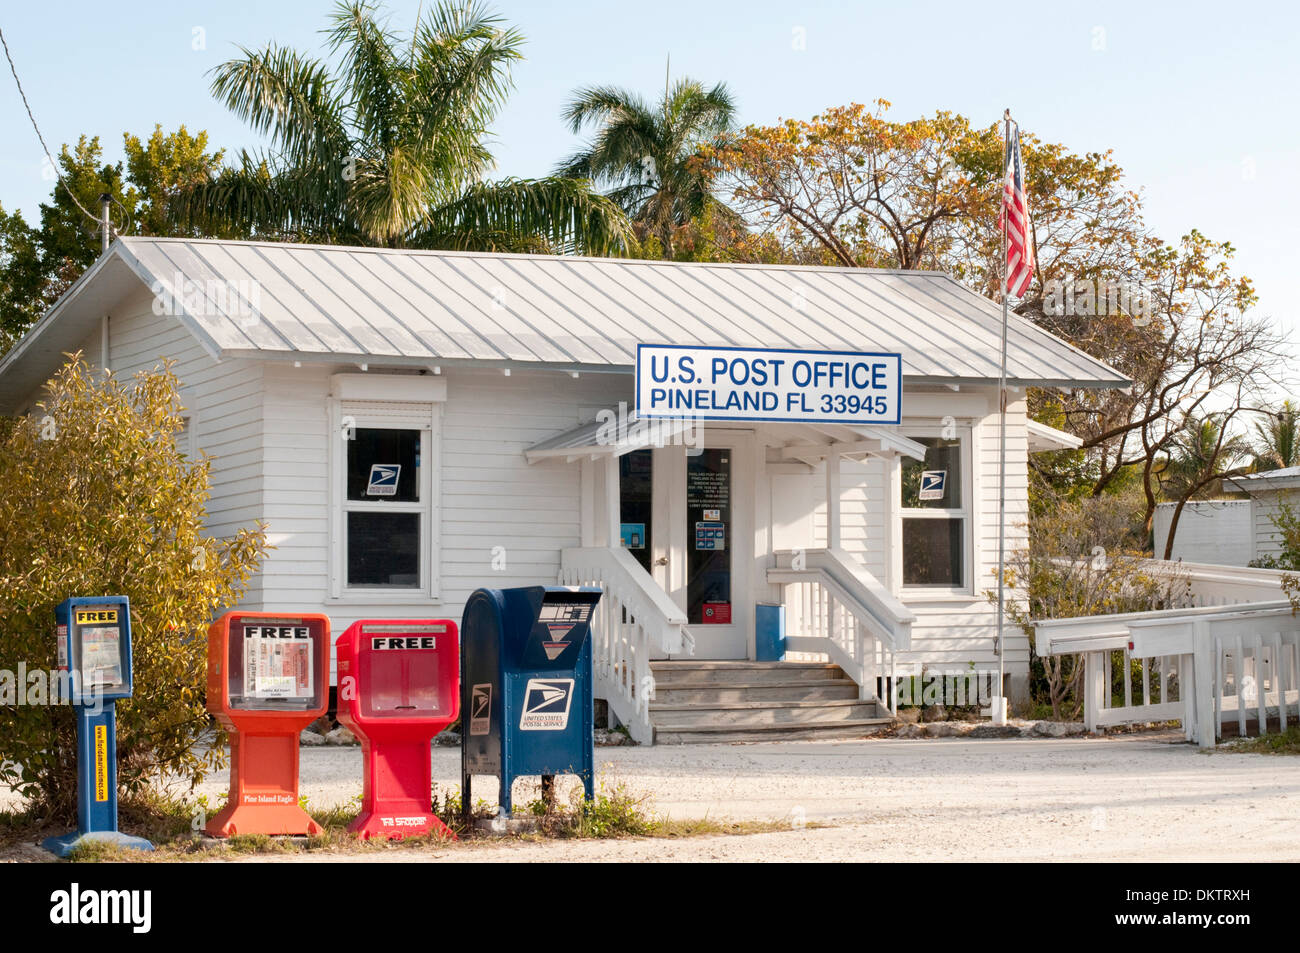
(316,302)
(1282,479)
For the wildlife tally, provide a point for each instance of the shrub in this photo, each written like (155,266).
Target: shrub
(96,499)
(1084,557)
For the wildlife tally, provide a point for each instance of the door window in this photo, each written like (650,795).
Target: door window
(708,536)
(635,489)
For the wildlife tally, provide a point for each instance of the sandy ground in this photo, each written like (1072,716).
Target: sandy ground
(1124,798)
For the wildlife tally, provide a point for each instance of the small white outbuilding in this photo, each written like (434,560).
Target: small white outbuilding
(489,392)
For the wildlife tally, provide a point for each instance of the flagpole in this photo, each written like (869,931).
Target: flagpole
(999,702)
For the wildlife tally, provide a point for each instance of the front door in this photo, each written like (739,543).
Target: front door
(688,519)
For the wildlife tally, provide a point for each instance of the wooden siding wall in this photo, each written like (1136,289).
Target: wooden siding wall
(225,400)
(951,631)
(489,495)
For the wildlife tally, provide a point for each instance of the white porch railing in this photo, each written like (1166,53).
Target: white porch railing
(1196,673)
(634,621)
(836,608)
(1245,661)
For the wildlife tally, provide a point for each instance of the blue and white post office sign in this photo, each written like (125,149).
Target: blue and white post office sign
(746,383)
(383,479)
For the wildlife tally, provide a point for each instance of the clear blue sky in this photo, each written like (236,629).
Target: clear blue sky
(1199,101)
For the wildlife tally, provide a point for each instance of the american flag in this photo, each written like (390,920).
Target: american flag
(1014,221)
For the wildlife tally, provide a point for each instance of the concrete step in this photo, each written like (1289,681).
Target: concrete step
(755,691)
(728,674)
(702,702)
(727,735)
(762,714)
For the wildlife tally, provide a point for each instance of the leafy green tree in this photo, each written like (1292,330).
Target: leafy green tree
(22,279)
(648,156)
(390,146)
(38,264)
(95,498)
(163,167)
(69,237)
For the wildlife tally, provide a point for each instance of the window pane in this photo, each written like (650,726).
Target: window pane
(635,493)
(708,528)
(932,552)
(936,483)
(384,549)
(383,465)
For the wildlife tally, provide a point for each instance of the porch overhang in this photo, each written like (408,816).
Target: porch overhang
(609,437)
(806,442)
(812,443)
(1043,438)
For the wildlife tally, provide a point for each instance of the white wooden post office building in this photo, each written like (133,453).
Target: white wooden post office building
(413,425)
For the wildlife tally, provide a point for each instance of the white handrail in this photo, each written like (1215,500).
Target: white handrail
(1211,587)
(839,609)
(1235,625)
(634,621)
(1243,656)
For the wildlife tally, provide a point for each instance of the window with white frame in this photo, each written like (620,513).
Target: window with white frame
(384,491)
(935,511)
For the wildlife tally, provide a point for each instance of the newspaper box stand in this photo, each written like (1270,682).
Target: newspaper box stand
(399,685)
(268,676)
(526,689)
(94,655)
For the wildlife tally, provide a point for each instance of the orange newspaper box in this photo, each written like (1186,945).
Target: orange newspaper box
(268,678)
(399,685)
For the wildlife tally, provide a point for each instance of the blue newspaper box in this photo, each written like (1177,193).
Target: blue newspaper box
(94,653)
(526,690)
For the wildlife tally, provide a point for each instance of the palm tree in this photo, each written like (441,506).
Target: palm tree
(1279,439)
(389,147)
(644,153)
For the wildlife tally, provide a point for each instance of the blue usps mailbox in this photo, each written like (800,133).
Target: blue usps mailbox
(526,701)
(94,650)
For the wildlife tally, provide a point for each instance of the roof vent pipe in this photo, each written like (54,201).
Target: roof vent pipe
(105,230)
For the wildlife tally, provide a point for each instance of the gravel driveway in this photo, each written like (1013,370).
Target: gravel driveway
(1134,797)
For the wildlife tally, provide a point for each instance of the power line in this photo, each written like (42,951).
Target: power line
(54,165)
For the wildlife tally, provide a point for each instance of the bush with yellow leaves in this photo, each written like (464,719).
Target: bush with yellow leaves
(96,499)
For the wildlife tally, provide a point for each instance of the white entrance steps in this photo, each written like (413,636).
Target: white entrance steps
(706,702)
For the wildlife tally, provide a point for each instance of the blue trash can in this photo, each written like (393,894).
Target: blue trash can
(769,632)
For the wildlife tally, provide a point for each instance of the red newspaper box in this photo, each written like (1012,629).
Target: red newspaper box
(268,679)
(399,685)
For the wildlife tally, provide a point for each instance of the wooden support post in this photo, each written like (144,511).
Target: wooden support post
(613,518)
(1094,675)
(1203,685)
(833,528)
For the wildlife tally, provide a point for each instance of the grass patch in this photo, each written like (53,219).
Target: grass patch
(1275,742)
(175,826)
(618,812)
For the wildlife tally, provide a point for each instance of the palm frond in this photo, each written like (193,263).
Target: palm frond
(287,97)
(369,65)
(565,214)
